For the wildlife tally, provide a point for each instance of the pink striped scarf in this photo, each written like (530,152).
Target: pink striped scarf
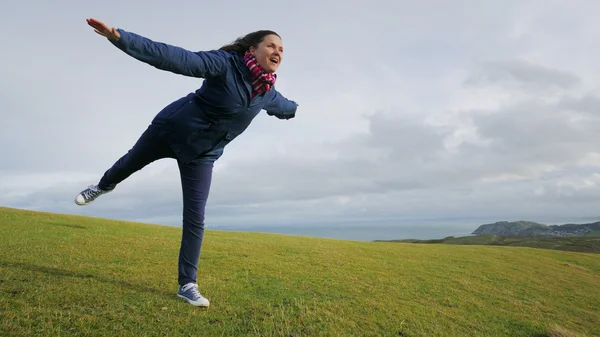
(261,81)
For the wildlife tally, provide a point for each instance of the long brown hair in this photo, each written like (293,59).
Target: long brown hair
(242,44)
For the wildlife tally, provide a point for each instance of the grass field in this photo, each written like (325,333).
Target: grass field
(65,275)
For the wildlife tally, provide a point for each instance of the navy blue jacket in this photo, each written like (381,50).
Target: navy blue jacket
(199,125)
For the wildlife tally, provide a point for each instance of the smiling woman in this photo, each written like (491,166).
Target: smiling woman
(269,53)
(194,130)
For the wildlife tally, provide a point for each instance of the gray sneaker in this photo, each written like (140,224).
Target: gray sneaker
(88,195)
(190,293)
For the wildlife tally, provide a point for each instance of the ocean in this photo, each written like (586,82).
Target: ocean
(363,230)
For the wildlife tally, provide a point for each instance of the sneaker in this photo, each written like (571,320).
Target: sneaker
(88,195)
(190,293)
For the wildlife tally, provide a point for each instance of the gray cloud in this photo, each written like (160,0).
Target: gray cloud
(521,74)
(412,115)
(400,166)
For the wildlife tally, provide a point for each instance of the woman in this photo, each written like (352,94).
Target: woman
(238,83)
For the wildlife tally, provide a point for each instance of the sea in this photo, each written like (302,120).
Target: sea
(364,230)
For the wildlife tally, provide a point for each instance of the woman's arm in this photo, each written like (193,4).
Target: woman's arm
(164,56)
(281,107)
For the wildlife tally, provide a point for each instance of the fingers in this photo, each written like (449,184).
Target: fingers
(92,21)
(102,29)
(100,26)
(96,25)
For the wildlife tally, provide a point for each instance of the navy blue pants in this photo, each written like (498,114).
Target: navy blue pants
(195,182)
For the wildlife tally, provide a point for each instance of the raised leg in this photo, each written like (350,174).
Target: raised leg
(148,148)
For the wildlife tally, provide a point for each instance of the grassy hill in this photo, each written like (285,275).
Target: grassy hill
(528,228)
(66,275)
(585,244)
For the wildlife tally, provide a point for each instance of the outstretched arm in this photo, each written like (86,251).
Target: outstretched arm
(281,107)
(164,56)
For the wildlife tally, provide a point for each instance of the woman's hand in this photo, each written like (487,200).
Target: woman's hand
(104,30)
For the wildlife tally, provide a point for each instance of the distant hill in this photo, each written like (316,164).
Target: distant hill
(528,228)
(569,237)
(583,244)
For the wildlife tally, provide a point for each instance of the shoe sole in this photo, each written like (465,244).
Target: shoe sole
(193,303)
(82,204)
(89,202)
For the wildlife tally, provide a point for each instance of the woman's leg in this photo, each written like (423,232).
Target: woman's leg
(148,148)
(195,182)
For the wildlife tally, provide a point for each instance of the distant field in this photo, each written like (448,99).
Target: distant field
(586,244)
(64,275)
(594,233)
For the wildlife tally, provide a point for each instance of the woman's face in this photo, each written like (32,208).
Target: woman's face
(269,53)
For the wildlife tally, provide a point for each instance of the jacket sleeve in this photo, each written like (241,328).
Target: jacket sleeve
(281,107)
(166,57)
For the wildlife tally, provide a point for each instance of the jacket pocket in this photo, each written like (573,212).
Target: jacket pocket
(207,140)
(199,132)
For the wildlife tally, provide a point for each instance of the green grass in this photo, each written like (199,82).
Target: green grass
(64,275)
(585,244)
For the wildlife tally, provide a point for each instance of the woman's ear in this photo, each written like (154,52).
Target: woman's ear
(252,50)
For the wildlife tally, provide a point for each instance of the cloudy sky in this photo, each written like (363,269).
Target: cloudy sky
(410,112)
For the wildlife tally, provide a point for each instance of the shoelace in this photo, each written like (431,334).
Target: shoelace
(194,290)
(91,192)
